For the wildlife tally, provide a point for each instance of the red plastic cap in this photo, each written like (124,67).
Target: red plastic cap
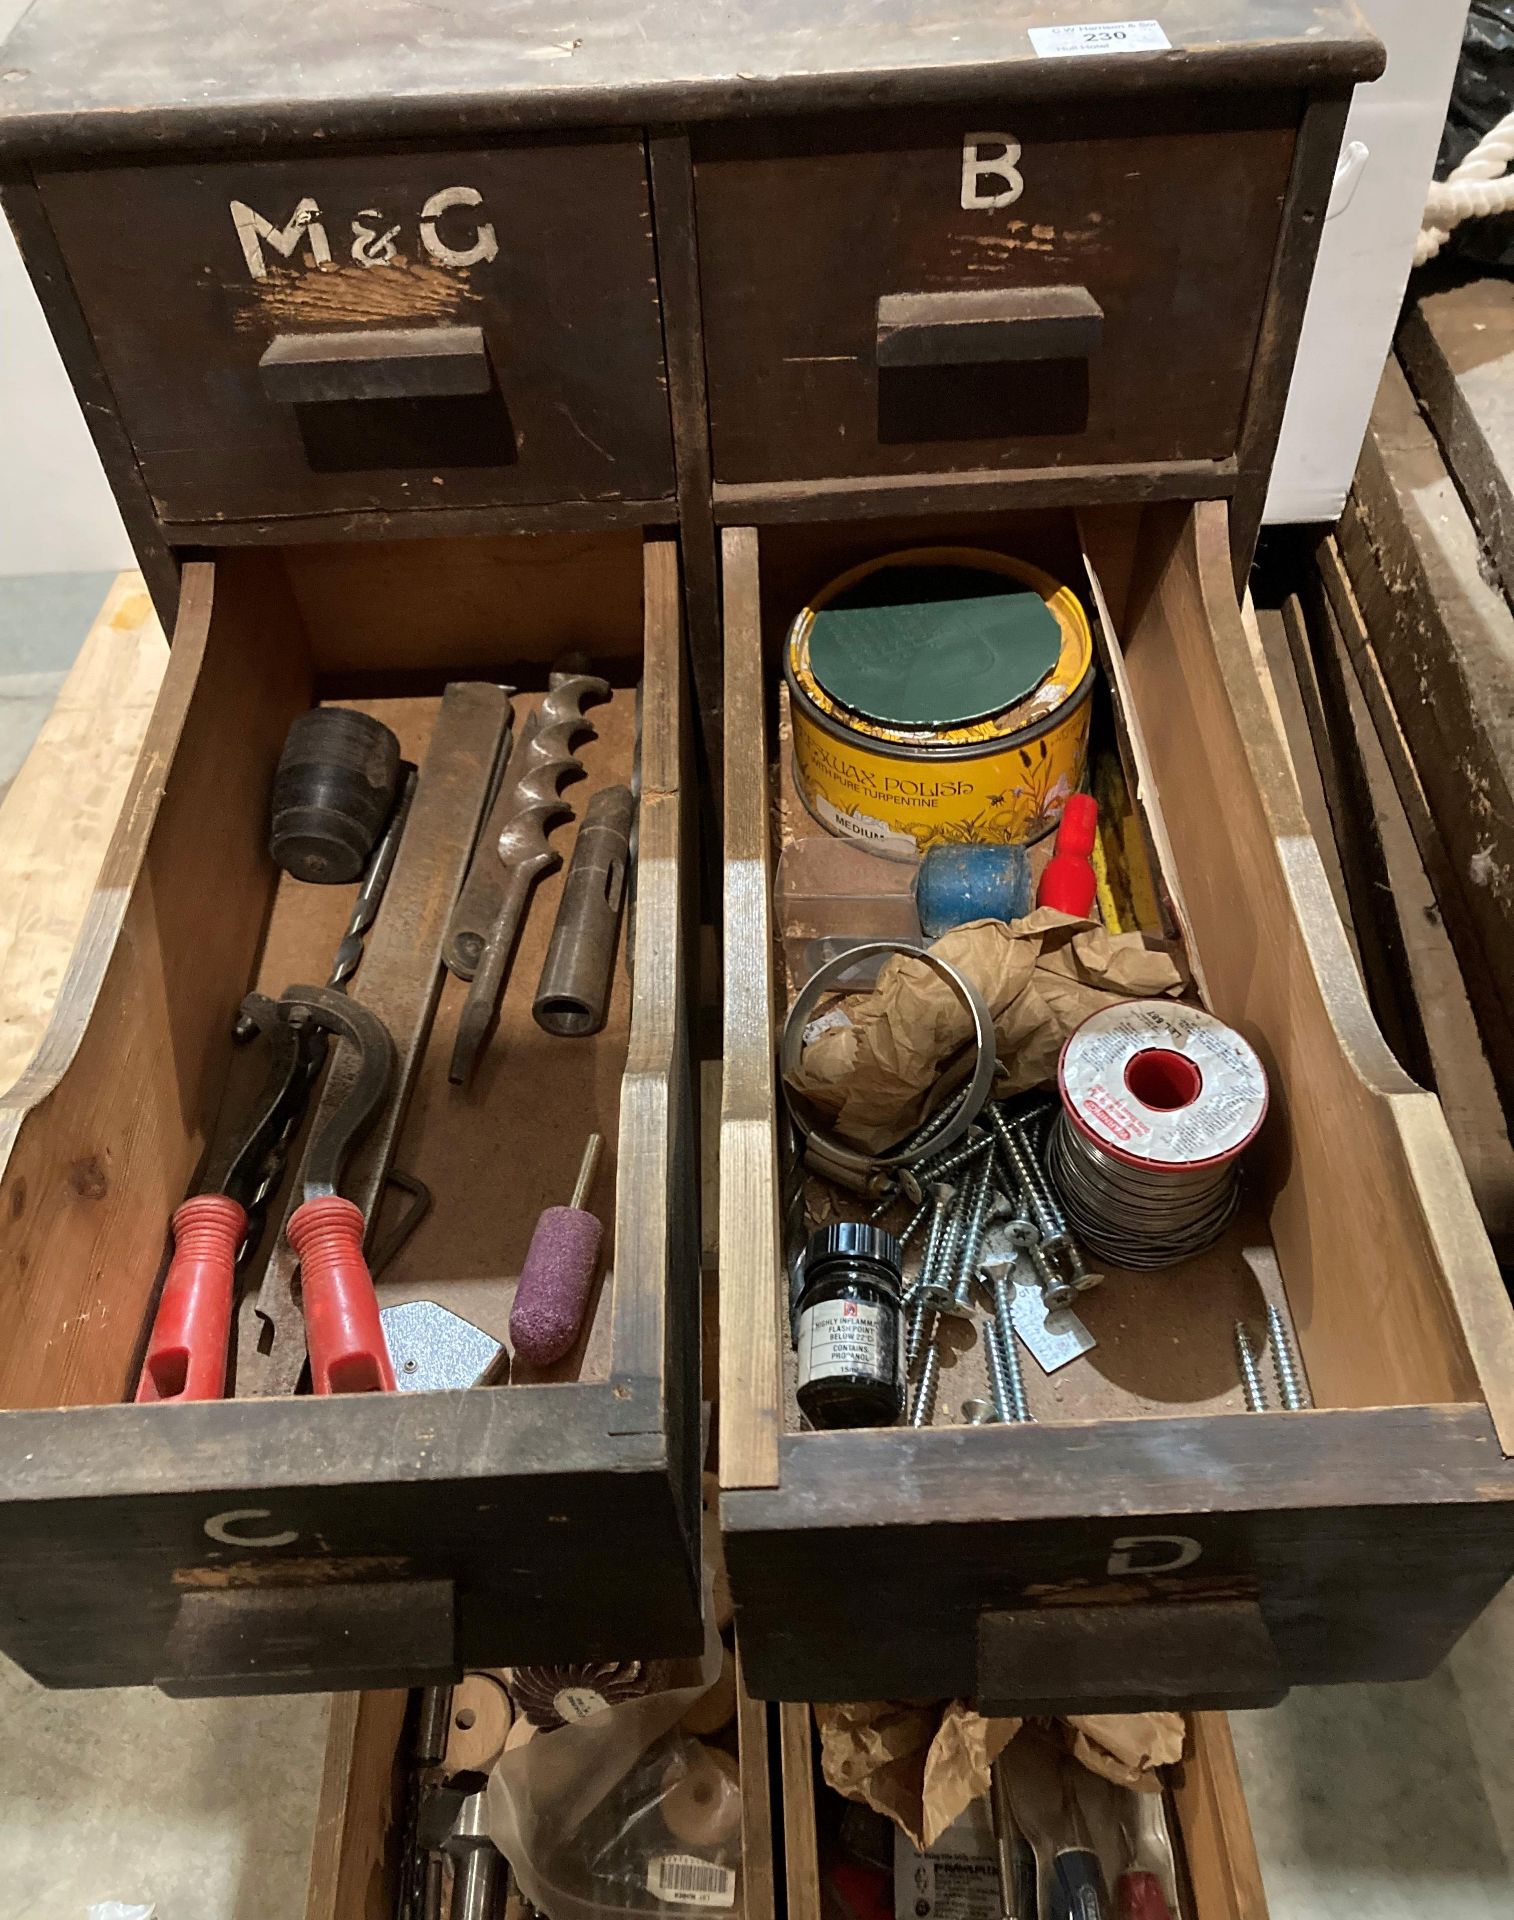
(1067,880)
(1079,826)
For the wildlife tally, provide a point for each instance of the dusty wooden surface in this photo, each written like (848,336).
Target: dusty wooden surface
(214,70)
(1444,637)
(61,810)
(1457,347)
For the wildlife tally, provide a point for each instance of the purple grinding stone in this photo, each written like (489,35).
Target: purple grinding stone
(554,1285)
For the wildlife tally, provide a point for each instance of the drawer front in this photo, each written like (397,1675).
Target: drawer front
(279,1543)
(1145,1541)
(395,332)
(896,296)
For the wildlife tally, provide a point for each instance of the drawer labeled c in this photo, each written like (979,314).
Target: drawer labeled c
(1023,287)
(390,332)
(275,1539)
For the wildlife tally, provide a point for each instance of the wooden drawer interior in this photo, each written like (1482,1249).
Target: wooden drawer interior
(800,387)
(1217,1870)
(1357,1223)
(104,1134)
(359,1818)
(542,249)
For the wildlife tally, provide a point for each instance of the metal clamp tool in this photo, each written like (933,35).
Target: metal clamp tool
(187,1349)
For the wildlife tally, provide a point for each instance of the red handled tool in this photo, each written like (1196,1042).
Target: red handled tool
(187,1349)
(343,1332)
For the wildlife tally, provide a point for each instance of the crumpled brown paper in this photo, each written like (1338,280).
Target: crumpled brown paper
(923,1767)
(873,1074)
(1127,1747)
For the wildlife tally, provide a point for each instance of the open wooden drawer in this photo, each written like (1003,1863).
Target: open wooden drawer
(1217,1870)
(1146,1541)
(358,1828)
(277,1542)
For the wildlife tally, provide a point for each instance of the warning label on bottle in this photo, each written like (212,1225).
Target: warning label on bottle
(846,1337)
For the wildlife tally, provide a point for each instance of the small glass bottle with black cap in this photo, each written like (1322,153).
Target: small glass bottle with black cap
(851,1371)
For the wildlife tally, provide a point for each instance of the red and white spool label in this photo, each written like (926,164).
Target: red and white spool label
(1221,1092)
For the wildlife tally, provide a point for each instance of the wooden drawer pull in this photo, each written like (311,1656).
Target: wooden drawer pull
(336,1633)
(398,363)
(982,326)
(1135,1657)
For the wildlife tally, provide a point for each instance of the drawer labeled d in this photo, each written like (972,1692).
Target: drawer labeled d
(246,1535)
(390,332)
(1128,1533)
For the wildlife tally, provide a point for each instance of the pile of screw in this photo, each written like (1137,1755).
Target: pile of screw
(1290,1387)
(996,1176)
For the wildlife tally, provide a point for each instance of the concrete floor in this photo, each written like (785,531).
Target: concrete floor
(1381,1803)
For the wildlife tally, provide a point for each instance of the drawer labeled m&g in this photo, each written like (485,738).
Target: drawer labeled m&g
(377,332)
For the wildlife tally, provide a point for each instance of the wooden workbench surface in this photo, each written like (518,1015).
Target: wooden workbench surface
(62,808)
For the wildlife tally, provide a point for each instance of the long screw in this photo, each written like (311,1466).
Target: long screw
(1014,1139)
(939,1166)
(919,1292)
(1004,1323)
(972,1237)
(972,1204)
(927,1172)
(1251,1373)
(1289,1386)
(937,1122)
(923,1406)
(1005,1378)
(918,1219)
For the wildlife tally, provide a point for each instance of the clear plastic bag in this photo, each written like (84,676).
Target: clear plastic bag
(622,1813)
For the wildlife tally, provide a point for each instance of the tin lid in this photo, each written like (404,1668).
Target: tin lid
(852,1240)
(933,646)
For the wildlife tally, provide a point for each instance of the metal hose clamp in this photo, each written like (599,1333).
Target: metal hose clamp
(826,1145)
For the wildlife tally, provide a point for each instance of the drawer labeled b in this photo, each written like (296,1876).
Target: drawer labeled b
(1025,287)
(391,332)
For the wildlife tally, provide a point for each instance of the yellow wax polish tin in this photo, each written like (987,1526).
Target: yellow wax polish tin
(967,773)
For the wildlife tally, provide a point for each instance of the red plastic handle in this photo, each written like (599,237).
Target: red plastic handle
(186,1351)
(1138,1895)
(342,1326)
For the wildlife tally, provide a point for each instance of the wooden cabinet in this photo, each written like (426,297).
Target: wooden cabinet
(418,351)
